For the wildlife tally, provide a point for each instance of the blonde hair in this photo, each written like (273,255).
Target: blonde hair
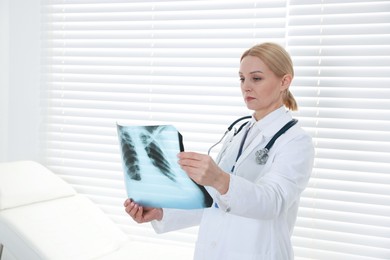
(279,62)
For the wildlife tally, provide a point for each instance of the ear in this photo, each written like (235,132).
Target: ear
(286,81)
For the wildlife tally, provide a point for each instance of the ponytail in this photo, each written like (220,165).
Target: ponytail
(289,101)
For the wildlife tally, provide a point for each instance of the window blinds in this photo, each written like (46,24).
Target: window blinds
(142,63)
(341,51)
(176,62)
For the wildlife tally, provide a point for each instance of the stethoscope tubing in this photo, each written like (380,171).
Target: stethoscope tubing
(229,129)
(262,154)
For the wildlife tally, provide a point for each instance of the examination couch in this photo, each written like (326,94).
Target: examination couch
(43,218)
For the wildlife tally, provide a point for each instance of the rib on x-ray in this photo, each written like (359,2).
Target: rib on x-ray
(152,175)
(130,157)
(154,152)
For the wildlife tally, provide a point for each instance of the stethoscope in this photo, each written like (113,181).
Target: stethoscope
(229,129)
(262,154)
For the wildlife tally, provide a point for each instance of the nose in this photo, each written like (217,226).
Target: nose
(246,86)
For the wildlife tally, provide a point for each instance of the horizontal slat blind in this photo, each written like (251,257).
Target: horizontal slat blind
(341,51)
(142,62)
(176,62)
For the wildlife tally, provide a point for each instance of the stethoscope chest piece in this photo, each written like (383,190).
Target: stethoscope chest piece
(262,156)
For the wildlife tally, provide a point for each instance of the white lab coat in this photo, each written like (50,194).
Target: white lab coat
(255,218)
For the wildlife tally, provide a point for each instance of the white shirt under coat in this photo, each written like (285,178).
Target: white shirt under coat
(256,217)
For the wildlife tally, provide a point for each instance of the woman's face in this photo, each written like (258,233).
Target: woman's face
(261,88)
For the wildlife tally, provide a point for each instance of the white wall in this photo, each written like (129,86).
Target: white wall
(4,70)
(19,81)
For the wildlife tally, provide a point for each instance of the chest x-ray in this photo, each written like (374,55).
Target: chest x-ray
(152,175)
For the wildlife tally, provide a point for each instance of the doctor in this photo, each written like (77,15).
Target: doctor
(256,201)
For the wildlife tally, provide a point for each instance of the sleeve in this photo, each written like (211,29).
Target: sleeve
(175,219)
(278,189)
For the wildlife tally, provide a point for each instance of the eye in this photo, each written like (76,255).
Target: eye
(257,78)
(242,79)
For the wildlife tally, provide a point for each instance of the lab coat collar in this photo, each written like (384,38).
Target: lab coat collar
(271,123)
(268,126)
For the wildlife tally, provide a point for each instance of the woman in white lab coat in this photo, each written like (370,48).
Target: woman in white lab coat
(255,202)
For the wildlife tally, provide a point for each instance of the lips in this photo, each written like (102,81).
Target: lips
(248,99)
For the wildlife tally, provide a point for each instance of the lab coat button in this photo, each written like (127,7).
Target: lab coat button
(228,210)
(213,244)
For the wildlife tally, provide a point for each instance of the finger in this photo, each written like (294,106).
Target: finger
(133,208)
(128,209)
(138,215)
(127,202)
(194,166)
(190,155)
(197,162)
(187,163)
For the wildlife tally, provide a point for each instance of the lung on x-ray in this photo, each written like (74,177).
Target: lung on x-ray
(152,175)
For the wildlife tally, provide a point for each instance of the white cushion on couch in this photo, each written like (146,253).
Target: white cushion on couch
(26,182)
(62,229)
(43,218)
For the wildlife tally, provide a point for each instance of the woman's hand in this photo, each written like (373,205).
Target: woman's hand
(203,170)
(142,214)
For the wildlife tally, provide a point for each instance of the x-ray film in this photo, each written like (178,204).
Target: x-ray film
(152,175)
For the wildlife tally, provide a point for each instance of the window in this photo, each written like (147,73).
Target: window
(176,62)
(341,54)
